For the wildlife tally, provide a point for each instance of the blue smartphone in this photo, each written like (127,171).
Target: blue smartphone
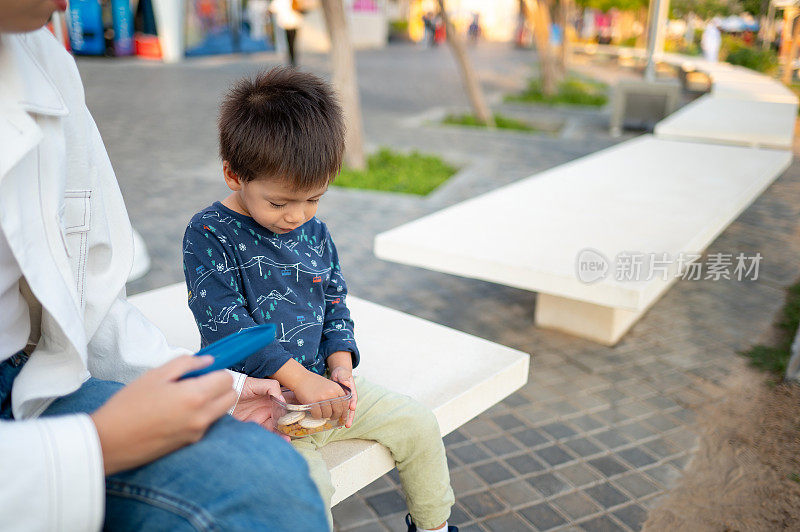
(234,348)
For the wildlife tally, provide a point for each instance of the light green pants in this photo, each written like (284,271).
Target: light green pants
(411,433)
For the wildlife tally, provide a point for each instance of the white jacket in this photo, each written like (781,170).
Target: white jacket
(63,216)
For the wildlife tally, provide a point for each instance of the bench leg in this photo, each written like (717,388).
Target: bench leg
(599,323)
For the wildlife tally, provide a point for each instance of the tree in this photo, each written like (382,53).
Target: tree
(474,91)
(538,15)
(345,81)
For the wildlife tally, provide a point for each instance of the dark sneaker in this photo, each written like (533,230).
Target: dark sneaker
(413,528)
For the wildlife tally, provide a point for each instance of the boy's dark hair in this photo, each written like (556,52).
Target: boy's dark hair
(283,124)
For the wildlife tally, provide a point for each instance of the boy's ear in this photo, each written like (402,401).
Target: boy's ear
(231,178)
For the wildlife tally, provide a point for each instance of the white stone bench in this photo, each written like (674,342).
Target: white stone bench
(646,195)
(737,120)
(457,375)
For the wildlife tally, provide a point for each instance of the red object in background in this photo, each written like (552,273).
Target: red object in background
(63,32)
(441,33)
(147,46)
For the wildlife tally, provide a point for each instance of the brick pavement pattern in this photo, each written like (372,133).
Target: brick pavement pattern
(598,434)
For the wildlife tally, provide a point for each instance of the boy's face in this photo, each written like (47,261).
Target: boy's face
(273,204)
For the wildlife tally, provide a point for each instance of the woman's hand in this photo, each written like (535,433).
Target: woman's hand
(158,413)
(254,404)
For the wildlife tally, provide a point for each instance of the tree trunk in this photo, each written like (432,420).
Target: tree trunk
(345,81)
(788,67)
(474,91)
(565,12)
(539,18)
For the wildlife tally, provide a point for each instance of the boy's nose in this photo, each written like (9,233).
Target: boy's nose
(294,216)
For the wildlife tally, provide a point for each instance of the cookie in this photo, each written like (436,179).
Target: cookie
(291,417)
(311,423)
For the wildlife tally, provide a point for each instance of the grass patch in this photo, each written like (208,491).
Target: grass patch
(571,91)
(390,171)
(500,121)
(774,358)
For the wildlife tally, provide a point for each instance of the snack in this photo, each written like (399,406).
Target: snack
(311,423)
(297,420)
(291,417)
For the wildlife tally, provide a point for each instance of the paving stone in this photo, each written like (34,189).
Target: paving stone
(463,480)
(479,428)
(457,515)
(681,462)
(601,524)
(578,475)
(684,440)
(583,447)
(575,505)
(635,431)
(501,446)
(586,423)
(388,502)
(482,504)
(469,453)
(664,473)
(660,422)
(525,463)
(543,516)
(454,437)
(548,484)
(493,472)
(611,415)
(517,493)
(606,495)
(509,522)
(608,465)
(660,401)
(637,484)
(558,431)
(661,448)
(554,455)
(611,438)
(376,526)
(531,438)
(507,422)
(515,400)
(380,484)
(636,456)
(632,515)
(563,408)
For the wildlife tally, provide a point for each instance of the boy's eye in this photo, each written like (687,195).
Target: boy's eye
(276,205)
(314,200)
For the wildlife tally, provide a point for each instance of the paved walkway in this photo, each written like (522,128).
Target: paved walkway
(599,433)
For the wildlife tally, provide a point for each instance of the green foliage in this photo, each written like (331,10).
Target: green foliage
(629,42)
(679,47)
(774,358)
(571,91)
(605,5)
(413,173)
(705,9)
(399,28)
(736,52)
(500,121)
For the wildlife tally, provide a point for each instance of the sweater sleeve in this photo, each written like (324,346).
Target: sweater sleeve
(52,474)
(338,328)
(217,302)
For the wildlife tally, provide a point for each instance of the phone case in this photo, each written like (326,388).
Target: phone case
(234,348)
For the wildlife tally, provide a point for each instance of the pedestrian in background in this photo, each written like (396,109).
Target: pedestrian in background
(711,41)
(289,20)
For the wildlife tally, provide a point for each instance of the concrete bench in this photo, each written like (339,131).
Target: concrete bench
(735,120)
(457,375)
(645,195)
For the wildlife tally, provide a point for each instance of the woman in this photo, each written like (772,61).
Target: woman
(78,452)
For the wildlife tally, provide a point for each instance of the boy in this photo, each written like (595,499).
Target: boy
(260,256)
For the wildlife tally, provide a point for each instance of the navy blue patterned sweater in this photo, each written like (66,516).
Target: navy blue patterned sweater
(240,274)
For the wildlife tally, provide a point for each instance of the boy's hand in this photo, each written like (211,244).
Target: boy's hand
(344,375)
(314,388)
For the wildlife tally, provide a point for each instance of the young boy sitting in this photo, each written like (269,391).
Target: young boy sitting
(260,256)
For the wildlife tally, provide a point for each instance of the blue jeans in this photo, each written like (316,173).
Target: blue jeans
(238,477)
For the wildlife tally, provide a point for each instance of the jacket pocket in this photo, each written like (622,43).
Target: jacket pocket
(77,221)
